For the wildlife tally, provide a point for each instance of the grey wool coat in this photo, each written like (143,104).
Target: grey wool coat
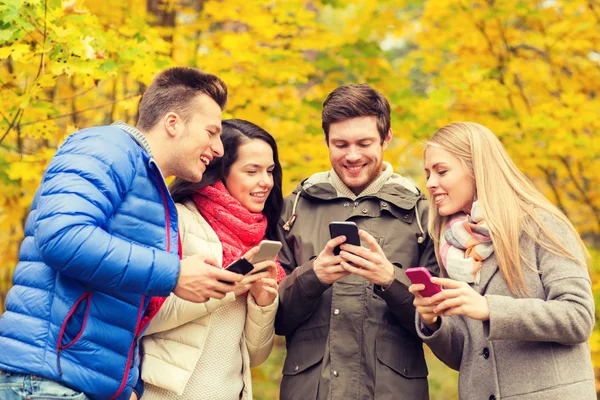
(533,348)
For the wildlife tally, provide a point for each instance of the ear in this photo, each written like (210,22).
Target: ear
(387,139)
(171,121)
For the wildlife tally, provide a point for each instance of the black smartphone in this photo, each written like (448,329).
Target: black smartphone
(240,266)
(344,228)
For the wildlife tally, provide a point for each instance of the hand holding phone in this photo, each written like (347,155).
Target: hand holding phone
(344,228)
(420,275)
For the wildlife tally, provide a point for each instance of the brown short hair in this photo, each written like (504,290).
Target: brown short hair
(351,101)
(173,90)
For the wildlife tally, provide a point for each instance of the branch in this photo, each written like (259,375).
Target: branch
(551,181)
(522,92)
(70,97)
(581,189)
(593,10)
(12,124)
(80,111)
(515,50)
(43,55)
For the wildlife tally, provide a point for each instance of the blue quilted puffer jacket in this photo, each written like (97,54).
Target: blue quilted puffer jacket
(100,240)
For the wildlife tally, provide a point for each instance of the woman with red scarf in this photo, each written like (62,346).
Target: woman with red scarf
(205,351)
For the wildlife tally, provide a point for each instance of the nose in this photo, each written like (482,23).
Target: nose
(353,154)
(432,183)
(266,180)
(217,146)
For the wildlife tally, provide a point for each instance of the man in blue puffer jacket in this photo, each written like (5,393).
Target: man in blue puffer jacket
(101,240)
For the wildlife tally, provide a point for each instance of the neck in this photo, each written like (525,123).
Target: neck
(159,152)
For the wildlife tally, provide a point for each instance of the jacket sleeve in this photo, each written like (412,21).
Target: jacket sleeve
(447,342)
(299,295)
(177,311)
(299,292)
(397,296)
(400,301)
(84,184)
(566,316)
(260,330)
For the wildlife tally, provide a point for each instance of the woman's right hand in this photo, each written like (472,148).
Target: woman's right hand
(423,306)
(246,283)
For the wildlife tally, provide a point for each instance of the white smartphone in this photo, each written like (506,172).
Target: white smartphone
(268,249)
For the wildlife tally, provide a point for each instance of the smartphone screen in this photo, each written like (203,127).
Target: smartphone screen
(344,228)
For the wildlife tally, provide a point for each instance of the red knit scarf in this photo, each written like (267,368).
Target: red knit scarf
(237,228)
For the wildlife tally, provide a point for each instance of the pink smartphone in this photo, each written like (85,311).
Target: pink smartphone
(422,275)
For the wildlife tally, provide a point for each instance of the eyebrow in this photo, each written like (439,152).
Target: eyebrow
(435,165)
(339,140)
(258,165)
(214,127)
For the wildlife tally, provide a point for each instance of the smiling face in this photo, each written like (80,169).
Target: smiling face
(448,181)
(356,151)
(198,140)
(250,177)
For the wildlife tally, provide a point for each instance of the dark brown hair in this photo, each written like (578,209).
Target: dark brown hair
(351,101)
(237,132)
(173,90)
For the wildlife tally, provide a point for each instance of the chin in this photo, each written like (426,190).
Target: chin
(254,208)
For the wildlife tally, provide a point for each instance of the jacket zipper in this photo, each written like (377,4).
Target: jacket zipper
(141,308)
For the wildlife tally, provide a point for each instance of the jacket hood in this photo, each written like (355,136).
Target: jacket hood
(398,190)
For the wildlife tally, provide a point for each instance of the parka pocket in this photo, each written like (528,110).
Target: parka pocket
(401,370)
(303,355)
(302,370)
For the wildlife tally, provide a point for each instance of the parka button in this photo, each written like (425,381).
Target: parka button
(486,353)
(364,211)
(384,205)
(405,216)
(296,368)
(346,204)
(335,373)
(336,312)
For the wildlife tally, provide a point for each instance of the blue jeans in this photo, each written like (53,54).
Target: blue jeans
(30,387)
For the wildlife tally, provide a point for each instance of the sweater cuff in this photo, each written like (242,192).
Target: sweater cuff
(263,310)
(164,274)
(395,295)
(425,333)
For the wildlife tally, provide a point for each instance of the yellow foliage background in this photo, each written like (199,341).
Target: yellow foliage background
(529,70)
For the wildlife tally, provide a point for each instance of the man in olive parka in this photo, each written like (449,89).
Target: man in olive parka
(349,319)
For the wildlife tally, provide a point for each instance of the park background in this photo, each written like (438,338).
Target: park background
(529,70)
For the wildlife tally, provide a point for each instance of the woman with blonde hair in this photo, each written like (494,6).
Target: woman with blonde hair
(517,309)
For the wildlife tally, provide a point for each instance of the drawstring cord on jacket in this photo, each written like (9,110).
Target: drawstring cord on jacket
(421,237)
(288,225)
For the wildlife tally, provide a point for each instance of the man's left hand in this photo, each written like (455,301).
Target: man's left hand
(371,263)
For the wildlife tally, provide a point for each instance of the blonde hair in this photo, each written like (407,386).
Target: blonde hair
(509,201)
